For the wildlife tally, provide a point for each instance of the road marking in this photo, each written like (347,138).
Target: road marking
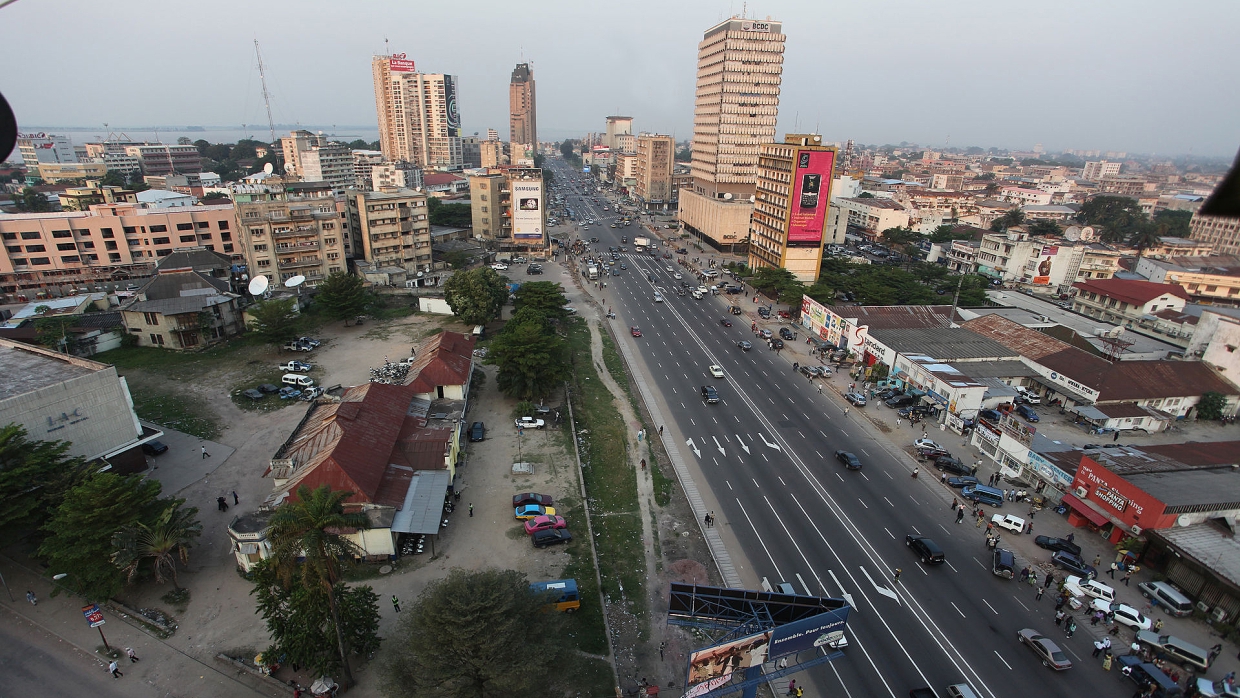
(696,451)
(806,416)
(889,533)
(914,500)
(820,431)
(768,443)
(843,594)
(819,454)
(738,419)
(1009,666)
(865,476)
(728,483)
(798,430)
(889,477)
(690,419)
(867,453)
(674,389)
(721,451)
(781,480)
(962,615)
(880,589)
(889,501)
(768,460)
(1022,605)
(949,533)
(838,475)
(953,567)
(755,483)
(992,608)
(979,563)
(742,443)
(804,585)
(772,401)
(862,502)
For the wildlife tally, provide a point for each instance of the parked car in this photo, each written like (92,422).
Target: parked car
(1045,648)
(953,465)
(962,481)
(1027,412)
(1015,524)
(1055,544)
(991,416)
(855,398)
(785,333)
(288,392)
(297,346)
(550,536)
(300,366)
(1074,564)
(254,394)
(735,309)
(777,343)
(933,453)
(542,523)
(477,431)
(764,312)
(530,423)
(1124,614)
(311,393)
(849,460)
(925,443)
(529,511)
(929,551)
(900,401)
(1089,587)
(531,498)
(269,388)
(887,393)
(154,448)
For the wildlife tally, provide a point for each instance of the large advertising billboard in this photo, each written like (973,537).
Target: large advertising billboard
(527,210)
(720,661)
(811,196)
(398,63)
(1045,264)
(449,98)
(821,630)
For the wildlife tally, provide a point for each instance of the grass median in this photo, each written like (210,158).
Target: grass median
(615,366)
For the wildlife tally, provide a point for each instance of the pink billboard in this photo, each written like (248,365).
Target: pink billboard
(811,194)
(398,63)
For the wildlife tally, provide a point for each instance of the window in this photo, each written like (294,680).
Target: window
(129,230)
(13,249)
(162,253)
(40,261)
(63,246)
(114,257)
(264,262)
(71,259)
(151,318)
(36,248)
(31,236)
(228,247)
(62,233)
(157,339)
(185,226)
(204,236)
(225,236)
(223,225)
(110,245)
(82,233)
(187,238)
(204,224)
(260,248)
(162,241)
(256,232)
(159,229)
(9,236)
(19,262)
(87,245)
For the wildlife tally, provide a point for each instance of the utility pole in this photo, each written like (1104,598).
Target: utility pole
(266,95)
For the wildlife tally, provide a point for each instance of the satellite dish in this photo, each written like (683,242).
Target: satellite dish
(294,282)
(728,196)
(288,167)
(268,168)
(258,286)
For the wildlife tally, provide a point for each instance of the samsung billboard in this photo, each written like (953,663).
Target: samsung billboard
(527,213)
(811,196)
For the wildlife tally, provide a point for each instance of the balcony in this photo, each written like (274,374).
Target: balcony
(299,247)
(299,231)
(300,264)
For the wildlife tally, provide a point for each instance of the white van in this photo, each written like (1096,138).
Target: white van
(1091,587)
(297,380)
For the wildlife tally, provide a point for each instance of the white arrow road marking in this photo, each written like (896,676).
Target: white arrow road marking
(696,451)
(847,597)
(742,442)
(768,443)
(880,589)
(721,451)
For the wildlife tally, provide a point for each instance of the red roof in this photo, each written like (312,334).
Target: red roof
(440,178)
(1146,380)
(1130,291)
(445,359)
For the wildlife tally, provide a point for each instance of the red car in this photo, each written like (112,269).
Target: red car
(531,498)
(635,332)
(785,314)
(542,523)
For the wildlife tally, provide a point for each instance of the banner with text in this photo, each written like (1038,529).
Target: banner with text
(527,218)
(811,196)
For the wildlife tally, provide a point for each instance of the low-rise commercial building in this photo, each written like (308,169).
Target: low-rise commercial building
(1125,301)
(55,173)
(1209,279)
(163,159)
(868,218)
(1016,257)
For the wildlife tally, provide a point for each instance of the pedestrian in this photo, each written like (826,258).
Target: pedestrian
(820,388)
(1095,618)
(115,669)
(133,656)
(1158,625)
(1106,661)
(395,603)
(471,510)
(1071,627)
(221,503)
(1059,602)
(792,687)
(1024,572)
(897,421)
(990,528)
(1038,596)
(643,464)
(1033,580)
(1097,561)
(960,514)
(1050,579)
(236,499)
(898,571)
(34,600)
(1097,648)
(942,478)
(1112,570)
(1059,615)
(979,520)
(660,430)
(954,503)
(205,455)
(1029,528)
(1126,577)
(845,409)
(800,692)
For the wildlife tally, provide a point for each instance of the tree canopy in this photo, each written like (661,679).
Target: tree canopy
(1007,220)
(160,544)
(546,297)
(476,295)
(1176,222)
(477,634)
(778,282)
(1045,228)
(457,215)
(275,320)
(1211,405)
(884,284)
(1117,217)
(34,477)
(947,233)
(531,357)
(31,201)
(342,296)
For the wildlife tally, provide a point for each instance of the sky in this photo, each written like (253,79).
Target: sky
(1124,75)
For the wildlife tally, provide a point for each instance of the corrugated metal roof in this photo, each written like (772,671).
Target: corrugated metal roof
(1146,380)
(444,359)
(943,343)
(1209,546)
(423,503)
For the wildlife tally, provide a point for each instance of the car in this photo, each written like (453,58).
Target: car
(725,322)
(929,551)
(933,453)
(992,416)
(1015,524)
(923,442)
(912,410)
(311,342)
(900,401)
(764,312)
(849,460)
(765,334)
(1124,614)
(785,333)
(954,465)
(776,343)
(744,345)
(531,498)
(300,366)
(676,275)
(808,371)
(269,388)
(499,266)
(1073,563)
(312,393)
(623,266)
(735,309)
(658,297)
(670,268)
(297,346)
(887,393)
(550,536)
(1054,544)
(593,239)
(709,394)
(855,398)
(733,290)
(962,481)
(154,448)
(288,392)
(1045,648)
(477,431)
(526,512)
(542,523)
(635,332)
(1027,412)
(1029,396)
(1090,587)
(533,270)
(254,394)
(529,423)
(716,370)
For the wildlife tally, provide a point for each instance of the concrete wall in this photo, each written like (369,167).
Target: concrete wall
(438,306)
(93,412)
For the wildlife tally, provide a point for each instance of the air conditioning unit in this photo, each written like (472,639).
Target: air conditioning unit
(1136,530)
(1219,614)
(1081,492)
(1203,607)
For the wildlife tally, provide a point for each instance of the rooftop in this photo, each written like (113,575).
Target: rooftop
(894,316)
(1145,380)
(27,368)
(877,203)
(943,343)
(1134,292)
(444,359)
(1223,265)
(1210,545)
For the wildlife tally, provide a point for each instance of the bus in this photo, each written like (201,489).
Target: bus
(562,592)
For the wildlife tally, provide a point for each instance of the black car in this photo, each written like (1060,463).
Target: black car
(709,394)
(786,333)
(531,498)
(254,394)
(929,551)
(849,460)
(764,312)
(1057,544)
(932,453)
(900,401)
(725,322)
(887,393)
(269,388)
(914,410)
(477,431)
(777,344)
(953,465)
(991,416)
(154,448)
(550,536)
(1074,564)
(962,481)
(733,290)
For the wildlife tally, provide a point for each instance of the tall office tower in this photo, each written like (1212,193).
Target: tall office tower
(418,117)
(522,111)
(617,125)
(740,64)
(790,205)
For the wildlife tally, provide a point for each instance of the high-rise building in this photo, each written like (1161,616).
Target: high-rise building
(396,175)
(791,201)
(312,158)
(625,143)
(653,187)
(363,162)
(1223,232)
(486,194)
(42,147)
(418,117)
(391,229)
(617,125)
(491,153)
(298,231)
(1095,171)
(522,111)
(492,134)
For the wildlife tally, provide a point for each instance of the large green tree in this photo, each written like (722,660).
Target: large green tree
(306,545)
(160,544)
(275,320)
(34,477)
(456,215)
(299,617)
(1010,219)
(1211,405)
(532,360)
(476,295)
(1176,222)
(477,634)
(79,541)
(342,296)
(1147,237)
(113,178)
(546,297)
(1118,218)
(1045,228)
(31,201)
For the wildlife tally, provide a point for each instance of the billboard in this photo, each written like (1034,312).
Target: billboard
(527,210)
(811,196)
(809,633)
(449,98)
(721,660)
(1043,277)
(397,63)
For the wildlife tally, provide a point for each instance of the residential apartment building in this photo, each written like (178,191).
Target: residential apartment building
(626,171)
(364,162)
(55,173)
(1127,185)
(1016,257)
(82,198)
(626,143)
(163,159)
(492,153)
(486,209)
(1124,301)
(617,126)
(790,207)
(1095,171)
(298,231)
(471,151)
(1223,232)
(1022,196)
(1208,280)
(39,148)
(391,229)
(395,175)
(418,117)
(868,218)
(57,252)
(522,111)
(655,153)
(313,158)
(182,309)
(508,204)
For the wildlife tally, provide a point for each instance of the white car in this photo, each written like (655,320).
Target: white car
(1124,614)
(658,297)
(530,423)
(716,371)
(703,289)
(499,266)
(1076,586)
(670,268)
(926,443)
(1015,524)
(677,275)
(300,366)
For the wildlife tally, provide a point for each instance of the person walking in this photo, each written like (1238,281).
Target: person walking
(660,430)
(845,409)
(1097,648)
(471,510)
(1097,561)
(395,603)
(792,687)
(34,600)
(954,503)
(1033,580)
(236,499)
(115,669)
(133,656)
(1112,570)
(897,576)
(205,455)
(1126,577)
(221,503)
(1071,625)
(1050,579)
(960,514)
(1038,596)
(1059,616)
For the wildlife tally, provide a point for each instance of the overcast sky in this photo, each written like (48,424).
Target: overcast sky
(1133,75)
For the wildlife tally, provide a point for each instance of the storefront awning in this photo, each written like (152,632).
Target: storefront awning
(1089,412)
(1095,517)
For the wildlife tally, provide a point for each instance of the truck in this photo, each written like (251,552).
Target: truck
(592,272)
(640,243)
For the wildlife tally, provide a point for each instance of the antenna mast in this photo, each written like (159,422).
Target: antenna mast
(266,96)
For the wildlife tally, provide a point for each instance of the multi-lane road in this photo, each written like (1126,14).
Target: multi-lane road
(764,455)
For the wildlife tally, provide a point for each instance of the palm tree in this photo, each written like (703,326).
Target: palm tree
(305,542)
(1146,238)
(163,544)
